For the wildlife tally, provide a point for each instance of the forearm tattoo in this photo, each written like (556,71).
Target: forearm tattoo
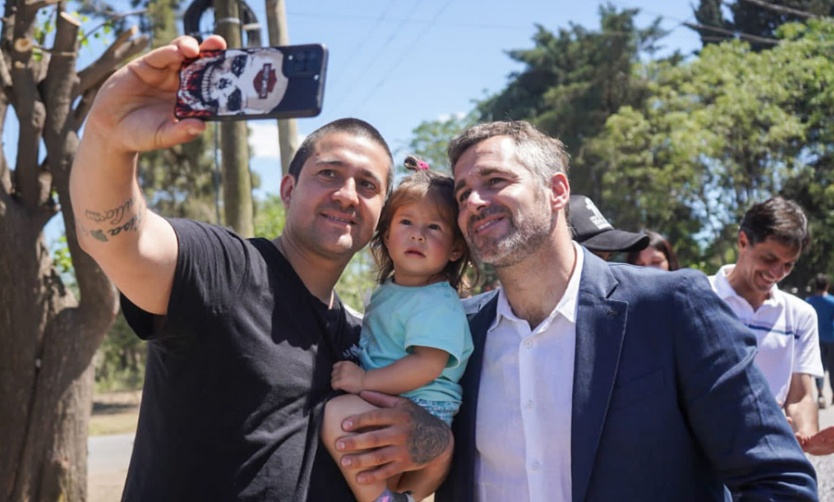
(117,219)
(429,436)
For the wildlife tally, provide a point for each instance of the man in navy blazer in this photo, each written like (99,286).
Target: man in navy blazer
(596,381)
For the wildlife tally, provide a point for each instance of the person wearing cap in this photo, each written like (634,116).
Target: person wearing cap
(592,230)
(596,381)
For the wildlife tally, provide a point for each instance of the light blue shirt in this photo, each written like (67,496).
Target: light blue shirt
(400,318)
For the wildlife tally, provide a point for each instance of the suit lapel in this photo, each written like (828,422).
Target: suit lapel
(600,328)
(465,447)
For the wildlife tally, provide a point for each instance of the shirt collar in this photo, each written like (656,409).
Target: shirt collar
(725,290)
(567,304)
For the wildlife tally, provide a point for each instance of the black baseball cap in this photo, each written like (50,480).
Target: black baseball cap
(593,231)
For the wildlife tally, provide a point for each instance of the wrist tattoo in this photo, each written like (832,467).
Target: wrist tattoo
(429,436)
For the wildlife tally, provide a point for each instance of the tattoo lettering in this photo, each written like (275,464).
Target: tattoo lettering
(113,216)
(131,224)
(429,436)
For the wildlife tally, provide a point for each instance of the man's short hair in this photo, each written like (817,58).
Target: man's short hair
(779,219)
(542,155)
(352,126)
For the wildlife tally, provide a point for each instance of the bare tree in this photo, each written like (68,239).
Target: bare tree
(48,335)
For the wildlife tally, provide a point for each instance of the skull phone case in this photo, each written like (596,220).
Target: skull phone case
(243,84)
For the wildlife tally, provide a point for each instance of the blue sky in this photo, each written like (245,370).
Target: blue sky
(397,63)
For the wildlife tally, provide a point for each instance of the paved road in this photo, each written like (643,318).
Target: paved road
(107,466)
(825,465)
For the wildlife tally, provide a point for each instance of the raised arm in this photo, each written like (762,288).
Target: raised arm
(132,113)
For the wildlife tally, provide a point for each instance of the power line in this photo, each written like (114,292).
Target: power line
(414,42)
(382,47)
(781,9)
(355,53)
(743,36)
(408,20)
(717,29)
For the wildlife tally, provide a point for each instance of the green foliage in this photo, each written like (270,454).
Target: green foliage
(574,80)
(358,281)
(683,148)
(721,132)
(269,216)
(62,260)
(44,28)
(181,181)
(740,18)
(120,361)
(430,139)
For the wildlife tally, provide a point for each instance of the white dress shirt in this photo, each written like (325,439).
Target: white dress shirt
(523,426)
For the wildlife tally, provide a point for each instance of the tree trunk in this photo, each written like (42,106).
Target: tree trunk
(237,182)
(48,336)
(276,21)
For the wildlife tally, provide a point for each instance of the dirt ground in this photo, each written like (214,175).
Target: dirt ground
(115,413)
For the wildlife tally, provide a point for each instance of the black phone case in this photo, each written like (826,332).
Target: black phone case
(246,84)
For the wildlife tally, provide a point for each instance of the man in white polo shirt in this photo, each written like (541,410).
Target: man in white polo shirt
(771,238)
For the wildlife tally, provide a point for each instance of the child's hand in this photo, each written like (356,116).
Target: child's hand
(347,376)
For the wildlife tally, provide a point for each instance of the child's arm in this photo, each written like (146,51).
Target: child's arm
(413,371)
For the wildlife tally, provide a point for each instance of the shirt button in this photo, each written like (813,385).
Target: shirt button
(528,344)
(536,466)
(529,405)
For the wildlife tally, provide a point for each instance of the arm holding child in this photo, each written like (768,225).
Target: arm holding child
(420,367)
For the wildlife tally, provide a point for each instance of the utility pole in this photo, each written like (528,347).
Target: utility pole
(237,182)
(276,21)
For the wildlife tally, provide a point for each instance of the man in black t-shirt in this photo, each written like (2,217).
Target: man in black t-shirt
(242,332)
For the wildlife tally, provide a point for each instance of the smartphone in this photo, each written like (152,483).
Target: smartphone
(254,83)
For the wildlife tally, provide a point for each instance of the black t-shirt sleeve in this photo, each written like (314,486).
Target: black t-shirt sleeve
(207,278)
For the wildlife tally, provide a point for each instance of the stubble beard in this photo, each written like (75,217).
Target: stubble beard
(332,244)
(523,238)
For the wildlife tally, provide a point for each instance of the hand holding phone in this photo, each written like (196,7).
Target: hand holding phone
(244,84)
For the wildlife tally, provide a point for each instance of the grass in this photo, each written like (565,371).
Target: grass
(114,413)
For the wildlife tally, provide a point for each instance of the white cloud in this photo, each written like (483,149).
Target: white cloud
(264,139)
(445,117)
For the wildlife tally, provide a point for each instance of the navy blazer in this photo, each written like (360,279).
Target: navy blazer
(667,404)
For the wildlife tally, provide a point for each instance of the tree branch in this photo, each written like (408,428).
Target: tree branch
(97,72)
(5,74)
(781,9)
(83,107)
(40,4)
(57,96)
(5,173)
(112,17)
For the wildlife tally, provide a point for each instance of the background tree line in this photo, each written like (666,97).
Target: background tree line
(681,145)
(684,145)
